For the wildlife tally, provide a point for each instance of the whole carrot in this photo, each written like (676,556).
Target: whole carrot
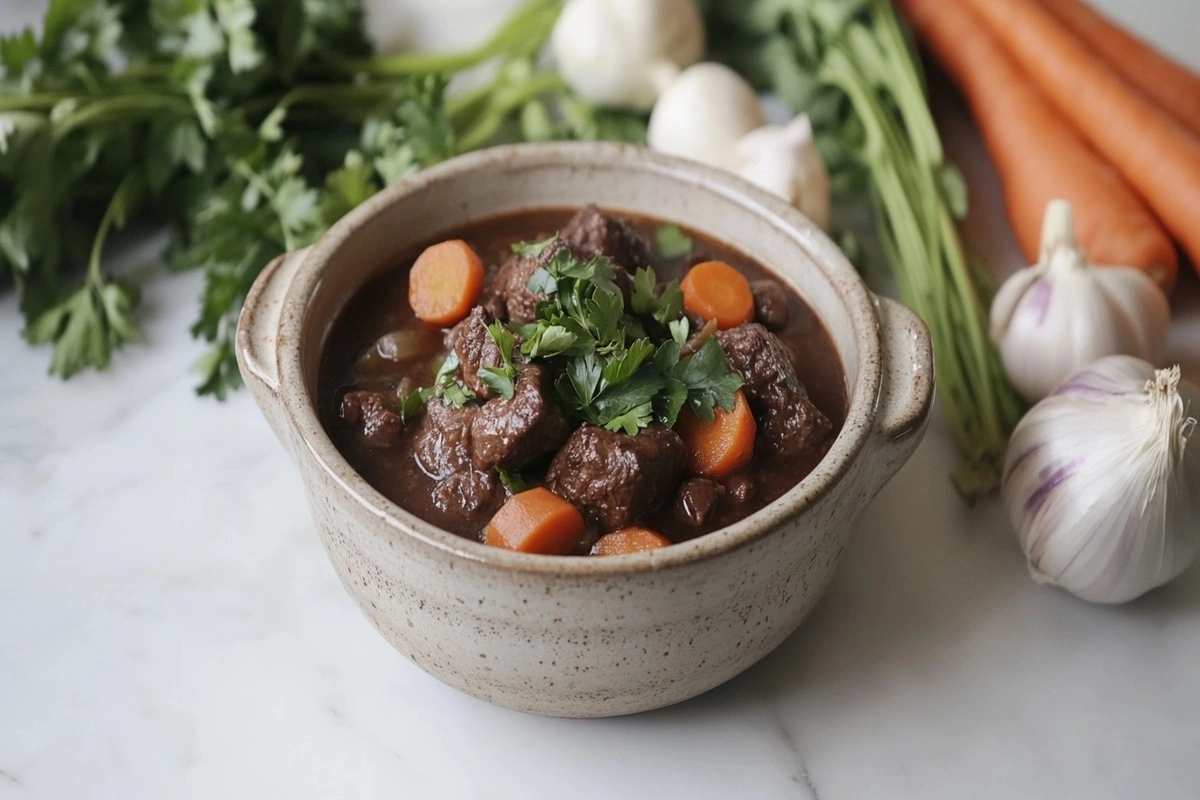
(1172,86)
(1158,156)
(1037,153)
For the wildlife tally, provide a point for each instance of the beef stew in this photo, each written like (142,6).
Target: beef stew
(452,423)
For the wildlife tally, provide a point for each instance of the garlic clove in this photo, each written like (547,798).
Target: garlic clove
(1010,295)
(783,159)
(703,113)
(623,52)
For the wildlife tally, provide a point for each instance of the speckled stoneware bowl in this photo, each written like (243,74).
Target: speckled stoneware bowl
(575,636)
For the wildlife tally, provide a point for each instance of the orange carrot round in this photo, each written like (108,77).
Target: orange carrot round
(714,290)
(445,281)
(536,521)
(1037,153)
(628,540)
(1156,155)
(719,446)
(1173,87)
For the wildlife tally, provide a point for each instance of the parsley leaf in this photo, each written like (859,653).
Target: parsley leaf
(513,481)
(446,386)
(672,241)
(533,249)
(663,307)
(542,282)
(87,326)
(501,379)
(413,403)
(630,403)
(625,363)
(708,379)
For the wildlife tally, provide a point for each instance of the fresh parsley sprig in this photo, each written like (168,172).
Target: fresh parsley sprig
(625,366)
(501,379)
(247,127)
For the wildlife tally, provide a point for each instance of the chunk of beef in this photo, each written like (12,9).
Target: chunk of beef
(787,420)
(515,433)
(740,488)
(442,447)
(493,299)
(510,288)
(770,304)
(614,478)
(698,500)
(591,233)
(370,413)
(475,348)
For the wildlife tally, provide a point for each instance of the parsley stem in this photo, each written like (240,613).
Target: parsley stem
(33,102)
(506,100)
(336,95)
(122,107)
(118,207)
(869,61)
(523,34)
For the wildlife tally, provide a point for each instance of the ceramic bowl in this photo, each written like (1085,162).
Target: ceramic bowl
(578,636)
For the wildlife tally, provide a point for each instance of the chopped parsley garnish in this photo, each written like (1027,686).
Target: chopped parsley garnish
(447,388)
(664,307)
(673,242)
(501,380)
(533,249)
(413,404)
(513,481)
(625,367)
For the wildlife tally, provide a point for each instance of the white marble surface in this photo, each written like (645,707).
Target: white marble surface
(170,628)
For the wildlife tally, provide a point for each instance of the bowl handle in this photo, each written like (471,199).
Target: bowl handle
(258,333)
(906,393)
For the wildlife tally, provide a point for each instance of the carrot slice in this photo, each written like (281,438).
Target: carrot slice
(714,290)
(536,521)
(445,281)
(1157,155)
(719,446)
(628,540)
(1038,154)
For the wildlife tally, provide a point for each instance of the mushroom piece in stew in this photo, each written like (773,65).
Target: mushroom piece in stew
(580,383)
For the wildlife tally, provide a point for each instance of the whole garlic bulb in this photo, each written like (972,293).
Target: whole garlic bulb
(625,52)
(1062,313)
(703,112)
(1101,484)
(783,159)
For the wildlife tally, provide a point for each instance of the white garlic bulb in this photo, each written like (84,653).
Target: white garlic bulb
(1101,484)
(703,112)
(625,52)
(1062,313)
(783,159)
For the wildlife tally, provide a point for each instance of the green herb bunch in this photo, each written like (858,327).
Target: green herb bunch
(849,65)
(621,366)
(247,127)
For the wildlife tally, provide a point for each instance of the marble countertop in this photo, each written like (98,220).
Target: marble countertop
(171,628)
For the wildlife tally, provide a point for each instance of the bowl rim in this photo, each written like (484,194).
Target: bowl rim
(300,408)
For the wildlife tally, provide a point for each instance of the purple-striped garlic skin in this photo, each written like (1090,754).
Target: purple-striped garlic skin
(1059,315)
(1101,484)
